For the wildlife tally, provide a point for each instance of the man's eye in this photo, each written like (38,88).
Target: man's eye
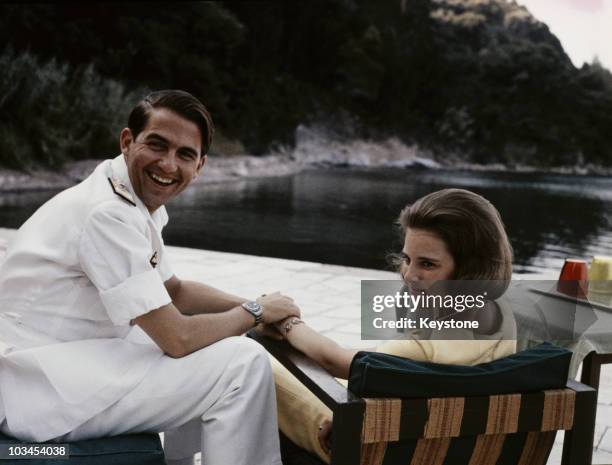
(187,156)
(427,265)
(157,146)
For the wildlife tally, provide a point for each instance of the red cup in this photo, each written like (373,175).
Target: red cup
(573,280)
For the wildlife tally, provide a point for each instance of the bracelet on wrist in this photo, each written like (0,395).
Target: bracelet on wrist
(288,325)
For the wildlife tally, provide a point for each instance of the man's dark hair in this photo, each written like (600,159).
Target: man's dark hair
(180,102)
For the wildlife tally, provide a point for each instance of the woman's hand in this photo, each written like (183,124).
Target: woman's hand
(279,325)
(269,330)
(325,436)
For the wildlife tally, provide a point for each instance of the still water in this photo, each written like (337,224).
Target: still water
(346,217)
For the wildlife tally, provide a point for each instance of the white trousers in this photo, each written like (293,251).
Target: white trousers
(219,400)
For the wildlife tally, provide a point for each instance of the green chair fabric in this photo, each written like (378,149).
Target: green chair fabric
(540,368)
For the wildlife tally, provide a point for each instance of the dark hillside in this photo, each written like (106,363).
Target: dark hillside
(474,80)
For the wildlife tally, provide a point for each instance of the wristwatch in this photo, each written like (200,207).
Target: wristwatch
(254,309)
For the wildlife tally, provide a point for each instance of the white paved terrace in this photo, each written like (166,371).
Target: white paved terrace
(329,297)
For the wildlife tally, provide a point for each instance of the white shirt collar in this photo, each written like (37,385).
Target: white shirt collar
(119,169)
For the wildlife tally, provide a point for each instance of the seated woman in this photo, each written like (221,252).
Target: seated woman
(452,234)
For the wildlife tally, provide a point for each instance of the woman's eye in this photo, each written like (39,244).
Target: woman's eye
(427,265)
(405,258)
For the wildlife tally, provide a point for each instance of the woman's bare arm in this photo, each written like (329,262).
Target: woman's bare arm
(327,353)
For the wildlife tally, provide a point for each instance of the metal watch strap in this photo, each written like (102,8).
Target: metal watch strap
(257,315)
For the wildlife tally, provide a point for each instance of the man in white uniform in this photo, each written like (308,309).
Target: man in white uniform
(100,338)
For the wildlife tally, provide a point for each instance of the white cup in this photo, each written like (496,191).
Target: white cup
(600,280)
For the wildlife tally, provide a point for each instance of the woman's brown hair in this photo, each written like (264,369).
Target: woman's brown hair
(472,229)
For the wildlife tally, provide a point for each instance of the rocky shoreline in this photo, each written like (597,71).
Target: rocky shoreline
(311,151)
(218,169)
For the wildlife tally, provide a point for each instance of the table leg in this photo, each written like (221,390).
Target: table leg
(591,369)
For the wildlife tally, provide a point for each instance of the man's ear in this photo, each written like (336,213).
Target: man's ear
(201,164)
(125,140)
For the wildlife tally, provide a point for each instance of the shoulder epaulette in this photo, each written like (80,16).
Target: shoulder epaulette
(121,190)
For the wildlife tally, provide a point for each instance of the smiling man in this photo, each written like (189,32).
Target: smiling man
(101,338)
(156,177)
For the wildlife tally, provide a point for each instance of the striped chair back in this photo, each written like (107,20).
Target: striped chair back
(496,429)
(511,429)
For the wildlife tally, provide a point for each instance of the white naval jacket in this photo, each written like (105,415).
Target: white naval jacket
(87,262)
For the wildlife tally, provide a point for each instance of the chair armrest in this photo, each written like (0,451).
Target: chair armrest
(308,372)
(579,387)
(347,408)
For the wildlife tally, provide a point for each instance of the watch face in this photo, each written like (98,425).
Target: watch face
(253,307)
